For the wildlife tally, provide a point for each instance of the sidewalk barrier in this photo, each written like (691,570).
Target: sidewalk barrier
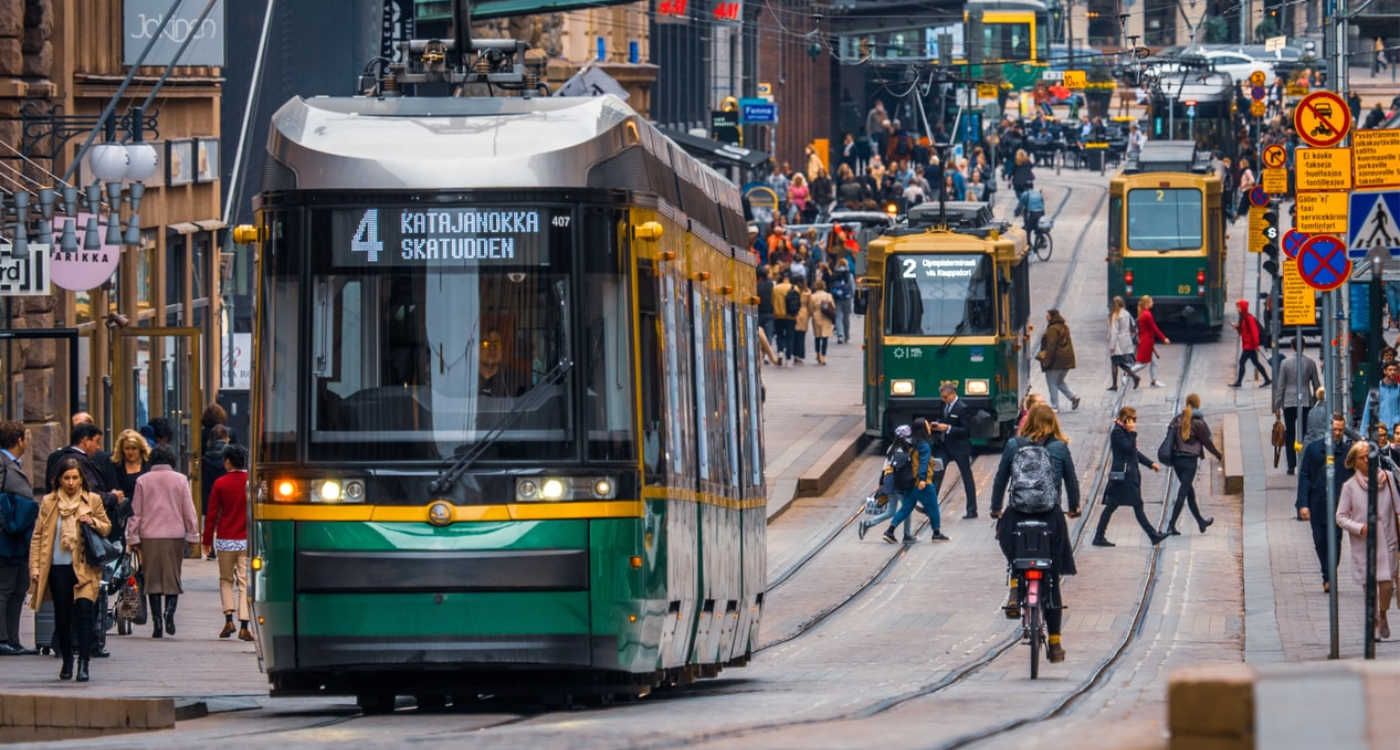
(1233,464)
(37,718)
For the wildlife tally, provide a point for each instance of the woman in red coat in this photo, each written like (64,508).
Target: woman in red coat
(1148,336)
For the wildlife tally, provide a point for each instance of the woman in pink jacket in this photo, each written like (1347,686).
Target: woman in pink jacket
(1351,516)
(162,523)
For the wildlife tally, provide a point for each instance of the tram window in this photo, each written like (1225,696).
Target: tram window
(653,369)
(1115,225)
(702,386)
(279,311)
(1006,42)
(940,295)
(607,347)
(1165,219)
(755,402)
(731,388)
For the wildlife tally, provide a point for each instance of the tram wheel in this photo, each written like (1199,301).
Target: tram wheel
(376,702)
(431,701)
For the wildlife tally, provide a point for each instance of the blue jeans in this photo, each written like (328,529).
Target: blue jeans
(843,320)
(925,497)
(892,502)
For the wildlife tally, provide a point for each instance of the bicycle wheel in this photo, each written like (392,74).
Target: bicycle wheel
(1034,613)
(1044,245)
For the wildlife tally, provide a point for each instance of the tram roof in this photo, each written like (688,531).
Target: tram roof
(1196,86)
(1034,5)
(1168,156)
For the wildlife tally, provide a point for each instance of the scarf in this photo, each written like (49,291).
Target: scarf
(68,507)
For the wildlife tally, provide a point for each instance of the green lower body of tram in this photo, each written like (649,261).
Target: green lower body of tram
(1185,293)
(986,376)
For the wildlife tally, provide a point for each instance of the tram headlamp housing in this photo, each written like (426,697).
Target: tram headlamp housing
(555,489)
(332,490)
(978,387)
(901,387)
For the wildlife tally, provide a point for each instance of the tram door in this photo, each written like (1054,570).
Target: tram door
(161,379)
(39,387)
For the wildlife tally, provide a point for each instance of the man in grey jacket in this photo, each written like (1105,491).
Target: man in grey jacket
(1294,387)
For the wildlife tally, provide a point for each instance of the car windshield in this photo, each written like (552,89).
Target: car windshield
(1165,219)
(940,295)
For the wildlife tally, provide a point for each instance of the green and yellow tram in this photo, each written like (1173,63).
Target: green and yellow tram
(1013,37)
(1166,237)
(507,414)
(949,301)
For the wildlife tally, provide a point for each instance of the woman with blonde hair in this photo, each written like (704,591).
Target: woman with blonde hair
(132,458)
(1121,344)
(1044,443)
(1148,335)
(1190,439)
(1351,517)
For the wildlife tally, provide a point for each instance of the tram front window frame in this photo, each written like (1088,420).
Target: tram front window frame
(1153,204)
(922,288)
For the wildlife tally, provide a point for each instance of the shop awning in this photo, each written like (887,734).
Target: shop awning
(715,152)
(183,227)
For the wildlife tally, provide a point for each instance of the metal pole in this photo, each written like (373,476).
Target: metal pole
(116,97)
(1372,480)
(1244,21)
(1298,427)
(1329,327)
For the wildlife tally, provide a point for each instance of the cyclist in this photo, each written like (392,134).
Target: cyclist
(1032,205)
(1045,462)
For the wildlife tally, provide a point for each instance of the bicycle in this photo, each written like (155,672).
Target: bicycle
(1033,568)
(1042,244)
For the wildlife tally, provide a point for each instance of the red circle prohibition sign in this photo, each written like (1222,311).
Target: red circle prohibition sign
(1322,119)
(1323,263)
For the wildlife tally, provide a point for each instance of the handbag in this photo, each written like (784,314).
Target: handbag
(99,550)
(1277,438)
(1167,449)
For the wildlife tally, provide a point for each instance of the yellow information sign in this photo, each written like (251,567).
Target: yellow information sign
(1257,108)
(1377,158)
(1075,79)
(1256,229)
(987,90)
(1299,299)
(1275,180)
(1296,89)
(1321,213)
(1323,168)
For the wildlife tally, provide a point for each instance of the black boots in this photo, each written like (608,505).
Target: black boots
(171,601)
(157,629)
(66,671)
(82,669)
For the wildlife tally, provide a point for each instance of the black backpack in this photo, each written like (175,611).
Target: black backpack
(793,302)
(902,466)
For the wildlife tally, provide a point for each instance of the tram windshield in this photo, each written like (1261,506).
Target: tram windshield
(1165,219)
(940,295)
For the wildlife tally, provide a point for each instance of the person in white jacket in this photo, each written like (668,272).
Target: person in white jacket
(1122,344)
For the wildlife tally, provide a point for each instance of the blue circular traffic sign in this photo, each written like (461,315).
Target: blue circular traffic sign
(1293,242)
(1257,93)
(1323,263)
(1257,197)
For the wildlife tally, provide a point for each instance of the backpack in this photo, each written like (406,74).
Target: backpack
(1034,482)
(901,465)
(793,302)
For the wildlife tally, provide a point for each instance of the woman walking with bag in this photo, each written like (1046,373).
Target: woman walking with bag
(1122,344)
(822,309)
(1351,516)
(162,524)
(1056,358)
(1148,336)
(1124,488)
(1187,440)
(59,564)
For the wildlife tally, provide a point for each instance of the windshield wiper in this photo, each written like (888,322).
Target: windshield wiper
(532,399)
(957,330)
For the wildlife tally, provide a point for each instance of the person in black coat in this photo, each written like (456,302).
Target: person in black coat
(956,446)
(1124,487)
(1311,501)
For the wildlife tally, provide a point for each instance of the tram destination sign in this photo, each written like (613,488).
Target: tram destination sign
(443,237)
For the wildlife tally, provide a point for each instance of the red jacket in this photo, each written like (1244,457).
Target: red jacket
(228,508)
(1148,336)
(1249,332)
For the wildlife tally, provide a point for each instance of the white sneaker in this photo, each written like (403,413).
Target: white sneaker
(1139,366)
(1158,384)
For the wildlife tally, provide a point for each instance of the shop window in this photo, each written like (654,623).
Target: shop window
(175,256)
(145,278)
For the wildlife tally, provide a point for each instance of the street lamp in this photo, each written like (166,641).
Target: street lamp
(114,164)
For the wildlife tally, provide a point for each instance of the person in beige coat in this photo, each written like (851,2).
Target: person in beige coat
(821,309)
(1351,517)
(801,321)
(59,568)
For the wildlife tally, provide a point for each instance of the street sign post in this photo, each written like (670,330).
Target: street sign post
(1275,156)
(1374,223)
(1322,119)
(1377,158)
(1258,197)
(1293,241)
(1299,299)
(1323,168)
(1257,108)
(758,111)
(1323,264)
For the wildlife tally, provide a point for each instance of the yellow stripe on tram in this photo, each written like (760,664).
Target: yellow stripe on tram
(460,513)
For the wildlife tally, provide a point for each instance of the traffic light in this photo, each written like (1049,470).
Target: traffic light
(1270,231)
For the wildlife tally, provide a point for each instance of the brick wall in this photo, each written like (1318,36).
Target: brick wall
(801,83)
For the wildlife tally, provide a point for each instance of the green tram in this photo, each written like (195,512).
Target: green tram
(507,416)
(949,301)
(1166,237)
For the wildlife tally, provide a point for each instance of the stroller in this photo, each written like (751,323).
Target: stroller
(128,606)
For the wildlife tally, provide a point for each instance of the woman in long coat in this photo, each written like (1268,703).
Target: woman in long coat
(1122,347)
(1351,516)
(1148,336)
(162,524)
(822,325)
(59,567)
(1124,488)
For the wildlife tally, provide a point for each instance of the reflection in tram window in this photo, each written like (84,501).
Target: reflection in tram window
(1163,219)
(940,295)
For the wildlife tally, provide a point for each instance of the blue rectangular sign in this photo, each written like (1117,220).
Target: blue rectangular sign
(758,111)
(1373,223)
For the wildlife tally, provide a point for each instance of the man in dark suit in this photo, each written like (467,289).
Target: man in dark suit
(1311,501)
(956,446)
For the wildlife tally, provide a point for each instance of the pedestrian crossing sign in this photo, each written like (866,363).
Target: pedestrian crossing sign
(1373,223)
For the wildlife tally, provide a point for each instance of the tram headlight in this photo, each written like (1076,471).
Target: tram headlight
(553,488)
(978,387)
(333,490)
(901,387)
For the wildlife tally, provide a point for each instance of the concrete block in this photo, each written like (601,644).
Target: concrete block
(160,713)
(11,18)
(1230,445)
(1211,701)
(18,711)
(38,399)
(39,64)
(45,437)
(11,57)
(61,712)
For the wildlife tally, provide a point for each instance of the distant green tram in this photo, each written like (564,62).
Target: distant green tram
(949,303)
(1166,237)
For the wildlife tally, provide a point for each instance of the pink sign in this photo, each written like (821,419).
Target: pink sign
(81,270)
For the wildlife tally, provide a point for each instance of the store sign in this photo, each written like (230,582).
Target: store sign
(81,270)
(443,237)
(238,362)
(141,20)
(728,11)
(26,275)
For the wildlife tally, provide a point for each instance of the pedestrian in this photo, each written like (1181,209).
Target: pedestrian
(1044,442)
(822,309)
(1148,336)
(1189,438)
(1246,184)
(211,464)
(1379,63)
(1250,330)
(1032,398)
(18,512)
(800,321)
(214,414)
(1389,392)
(1351,516)
(843,292)
(1295,374)
(896,478)
(786,300)
(162,524)
(764,292)
(1311,500)
(798,195)
(1022,175)
(1056,358)
(59,567)
(955,444)
(924,492)
(1122,344)
(226,533)
(1124,486)
(1318,419)
(132,459)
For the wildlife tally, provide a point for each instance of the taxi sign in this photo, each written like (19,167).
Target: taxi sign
(1299,299)
(1321,212)
(1323,168)
(1275,155)
(1377,162)
(1257,78)
(1322,119)
(1075,79)
(1257,108)
(1323,263)
(1274,180)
